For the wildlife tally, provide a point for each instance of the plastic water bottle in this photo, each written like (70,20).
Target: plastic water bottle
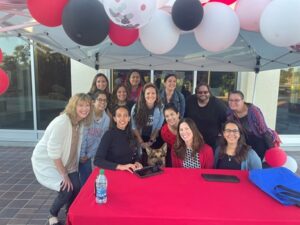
(101,188)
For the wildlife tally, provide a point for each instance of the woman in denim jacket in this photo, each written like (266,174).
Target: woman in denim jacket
(147,118)
(171,95)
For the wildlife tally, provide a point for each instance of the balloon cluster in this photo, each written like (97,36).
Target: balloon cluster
(276,20)
(276,157)
(89,22)
(4,79)
(215,25)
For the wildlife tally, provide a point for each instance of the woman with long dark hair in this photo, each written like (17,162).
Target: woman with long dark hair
(169,129)
(100,82)
(170,95)
(233,152)
(117,149)
(119,97)
(134,83)
(190,150)
(147,117)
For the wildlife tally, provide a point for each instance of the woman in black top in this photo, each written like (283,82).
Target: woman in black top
(117,150)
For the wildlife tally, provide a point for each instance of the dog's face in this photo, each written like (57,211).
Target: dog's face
(157,157)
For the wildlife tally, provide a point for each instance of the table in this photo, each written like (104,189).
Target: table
(179,197)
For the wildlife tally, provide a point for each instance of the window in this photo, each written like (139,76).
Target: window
(16,109)
(221,83)
(288,107)
(53,84)
(184,80)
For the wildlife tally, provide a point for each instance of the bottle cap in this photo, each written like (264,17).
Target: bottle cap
(102,171)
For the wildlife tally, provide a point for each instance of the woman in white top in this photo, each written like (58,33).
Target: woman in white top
(56,156)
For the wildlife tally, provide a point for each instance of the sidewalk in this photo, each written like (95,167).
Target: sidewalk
(22,199)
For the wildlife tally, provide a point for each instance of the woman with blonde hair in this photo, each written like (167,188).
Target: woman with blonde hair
(55,158)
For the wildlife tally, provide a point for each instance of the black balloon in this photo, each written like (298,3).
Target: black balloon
(85,22)
(187,14)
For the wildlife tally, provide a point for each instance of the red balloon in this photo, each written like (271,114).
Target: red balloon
(122,36)
(1,55)
(47,12)
(275,157)
(4,82)
(227,2)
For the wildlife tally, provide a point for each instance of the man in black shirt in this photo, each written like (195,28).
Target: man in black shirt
(208,112)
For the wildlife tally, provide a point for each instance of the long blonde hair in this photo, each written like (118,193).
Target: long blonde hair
(70,108)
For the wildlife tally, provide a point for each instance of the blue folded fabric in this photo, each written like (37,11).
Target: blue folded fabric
(280,183)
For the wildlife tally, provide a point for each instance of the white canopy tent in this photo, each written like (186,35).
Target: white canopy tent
(250,52)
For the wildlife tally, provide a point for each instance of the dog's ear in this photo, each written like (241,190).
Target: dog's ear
(164,148)
(148,150)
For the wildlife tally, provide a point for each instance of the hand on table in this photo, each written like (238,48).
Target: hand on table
(129,167)
(138,165)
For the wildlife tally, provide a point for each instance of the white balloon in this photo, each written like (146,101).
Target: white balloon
(219,27)
(130,13)
(161,3)
(249,12)
(280,22)
(291,164)
(160,35)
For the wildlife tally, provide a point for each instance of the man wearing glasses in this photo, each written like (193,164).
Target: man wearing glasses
(208,112)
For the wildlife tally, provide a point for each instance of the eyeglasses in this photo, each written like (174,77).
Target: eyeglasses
(202,92)
(228,131)
(101,100)
(235,100)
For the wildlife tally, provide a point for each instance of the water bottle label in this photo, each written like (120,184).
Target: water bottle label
(101,193)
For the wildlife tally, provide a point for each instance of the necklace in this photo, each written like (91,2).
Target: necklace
(75,126)
(229,158)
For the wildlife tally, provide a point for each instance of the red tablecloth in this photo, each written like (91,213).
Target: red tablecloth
(178,197)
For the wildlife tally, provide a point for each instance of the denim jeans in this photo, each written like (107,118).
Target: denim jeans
(66,197)
(85,169)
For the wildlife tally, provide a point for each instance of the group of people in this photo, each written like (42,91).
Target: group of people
(112,130)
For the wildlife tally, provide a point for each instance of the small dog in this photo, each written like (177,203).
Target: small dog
(157,157)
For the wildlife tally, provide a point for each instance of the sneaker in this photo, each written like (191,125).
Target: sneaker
(53,220)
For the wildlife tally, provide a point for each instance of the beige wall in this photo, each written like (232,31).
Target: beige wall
(265,94)
(82,76)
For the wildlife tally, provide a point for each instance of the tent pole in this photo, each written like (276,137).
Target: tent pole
(254,88)
(256,70)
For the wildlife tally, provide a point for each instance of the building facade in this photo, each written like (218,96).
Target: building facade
(41,83)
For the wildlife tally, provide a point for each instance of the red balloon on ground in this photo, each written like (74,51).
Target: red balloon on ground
(1,55)
(4,82)
(227,2)
(122,36)
(275,157)
(47,12)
